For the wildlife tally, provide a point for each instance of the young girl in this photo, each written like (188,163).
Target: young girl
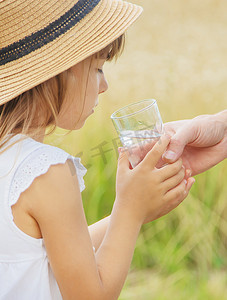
(51,73)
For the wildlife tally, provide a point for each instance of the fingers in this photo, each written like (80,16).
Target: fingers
(174,125)
(138,151)
(179,140)
(174,180)
(155,154)
(188,173)
(123,161)
(190,182)
(170,170)
(180,192)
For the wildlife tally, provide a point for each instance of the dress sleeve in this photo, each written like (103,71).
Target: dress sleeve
(38,163)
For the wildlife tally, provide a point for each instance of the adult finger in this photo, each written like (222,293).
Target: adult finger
(179,140)
(174,125)
(190,182)
(155,154)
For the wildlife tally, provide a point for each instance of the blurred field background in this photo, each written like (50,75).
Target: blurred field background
(176,53)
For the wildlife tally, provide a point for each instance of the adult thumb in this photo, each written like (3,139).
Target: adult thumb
(178,141)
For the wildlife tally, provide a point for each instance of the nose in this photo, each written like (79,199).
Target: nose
(103,86)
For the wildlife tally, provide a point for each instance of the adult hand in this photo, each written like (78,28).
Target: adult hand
(201,142)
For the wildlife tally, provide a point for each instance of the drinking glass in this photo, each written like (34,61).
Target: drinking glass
(139,126)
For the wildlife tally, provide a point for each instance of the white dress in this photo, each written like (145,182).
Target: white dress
(25,273)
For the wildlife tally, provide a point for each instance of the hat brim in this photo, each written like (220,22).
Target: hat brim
(99,28)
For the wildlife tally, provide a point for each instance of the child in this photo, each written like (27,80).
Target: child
(51,72)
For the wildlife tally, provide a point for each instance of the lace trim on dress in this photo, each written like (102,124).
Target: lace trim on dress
(80,171)
(38,163)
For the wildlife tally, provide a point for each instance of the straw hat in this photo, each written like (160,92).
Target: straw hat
(42,38)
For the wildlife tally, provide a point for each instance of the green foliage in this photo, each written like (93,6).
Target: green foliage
(179,285)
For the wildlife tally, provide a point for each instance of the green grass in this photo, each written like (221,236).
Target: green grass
(179,285)
(176,53)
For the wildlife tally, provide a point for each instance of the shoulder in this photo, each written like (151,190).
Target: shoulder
(56,189)
(51,169)
(58,175)
(44,162)
(46,198)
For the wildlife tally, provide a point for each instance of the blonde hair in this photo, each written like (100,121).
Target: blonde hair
(39,107)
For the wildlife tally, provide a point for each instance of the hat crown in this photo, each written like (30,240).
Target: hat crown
(21,18)
(40,37)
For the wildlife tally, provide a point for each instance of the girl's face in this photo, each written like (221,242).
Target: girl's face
(86,82)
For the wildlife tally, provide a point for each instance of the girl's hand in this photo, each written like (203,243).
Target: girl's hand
(148,193)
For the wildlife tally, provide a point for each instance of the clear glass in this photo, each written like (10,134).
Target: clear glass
(139,126)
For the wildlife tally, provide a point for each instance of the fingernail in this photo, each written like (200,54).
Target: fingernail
(189,172)
(168,135)
(120,149)
(193,181)
(170,155)
(185,181)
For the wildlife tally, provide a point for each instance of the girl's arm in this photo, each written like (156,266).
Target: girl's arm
(97,231)
(143,194)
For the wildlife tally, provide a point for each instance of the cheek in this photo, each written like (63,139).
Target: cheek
(92,89)
(94,82)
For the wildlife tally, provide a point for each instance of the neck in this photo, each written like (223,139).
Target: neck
(39,137)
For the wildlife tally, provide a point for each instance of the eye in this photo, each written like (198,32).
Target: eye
(100,71)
